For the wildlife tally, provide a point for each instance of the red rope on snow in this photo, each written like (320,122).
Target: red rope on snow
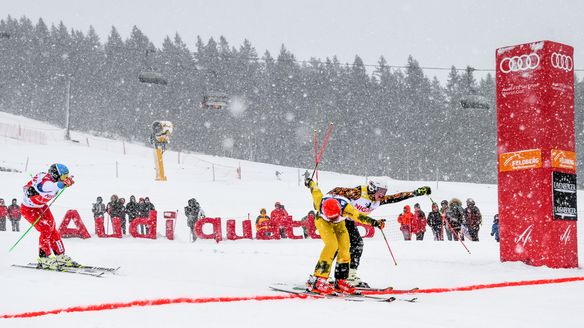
(162,301)
(483,286)
(165,301)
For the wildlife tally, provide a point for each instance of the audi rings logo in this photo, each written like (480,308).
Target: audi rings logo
(519,63)
(561,61)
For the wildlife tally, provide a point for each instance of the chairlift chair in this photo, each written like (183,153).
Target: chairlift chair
(215,100)
(151,76)
(473,99)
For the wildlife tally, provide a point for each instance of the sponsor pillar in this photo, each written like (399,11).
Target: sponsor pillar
(536,153)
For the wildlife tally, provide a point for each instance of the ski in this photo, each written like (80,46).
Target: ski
(376,295)
(373,289)
(388,290)
(92,273)
(93,268)
(339,296)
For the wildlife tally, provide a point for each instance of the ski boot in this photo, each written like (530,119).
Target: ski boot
(47,263)
(310,282)
(64,260)
(355,281)
(321,286)
(343,286)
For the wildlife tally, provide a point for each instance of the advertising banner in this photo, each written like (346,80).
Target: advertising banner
(536,154)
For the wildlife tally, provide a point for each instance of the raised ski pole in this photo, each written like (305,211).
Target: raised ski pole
(453,232)
(328,133)
(37,220)
(390,252)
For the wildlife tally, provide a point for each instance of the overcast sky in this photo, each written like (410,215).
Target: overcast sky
(437,33)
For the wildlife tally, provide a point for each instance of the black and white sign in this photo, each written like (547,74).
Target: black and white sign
(564,196)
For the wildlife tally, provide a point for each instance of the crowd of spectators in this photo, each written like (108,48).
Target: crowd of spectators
(12,213)
(451,218)
(117,207)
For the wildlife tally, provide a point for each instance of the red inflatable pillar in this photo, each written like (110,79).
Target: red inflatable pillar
(215,223)
(116,225)
(149,222)
(80,231)
(246,226)
(170,218)
(536,150)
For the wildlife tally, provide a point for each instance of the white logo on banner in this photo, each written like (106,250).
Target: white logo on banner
(561,61)
(519,63)
(525,236)
(565,237)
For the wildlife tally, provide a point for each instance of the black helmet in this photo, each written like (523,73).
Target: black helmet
(99,199)
(470,202)
(444,203)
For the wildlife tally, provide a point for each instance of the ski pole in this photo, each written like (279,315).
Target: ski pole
(390,252)
(328,133)
(451,229)
(37,220)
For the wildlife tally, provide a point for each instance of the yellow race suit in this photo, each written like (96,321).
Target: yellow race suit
(334,234)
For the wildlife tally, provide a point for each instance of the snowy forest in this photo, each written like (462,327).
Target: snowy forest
(388,120)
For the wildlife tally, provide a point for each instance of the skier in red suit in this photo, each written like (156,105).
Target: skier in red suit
(37,193)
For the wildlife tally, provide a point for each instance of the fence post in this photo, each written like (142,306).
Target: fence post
(117,169)
(124,146)
(26,165)
(87,141)
(213,167)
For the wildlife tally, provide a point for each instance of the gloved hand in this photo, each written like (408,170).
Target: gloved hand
(422,191)
(307,180)
(379,223)
(68,182)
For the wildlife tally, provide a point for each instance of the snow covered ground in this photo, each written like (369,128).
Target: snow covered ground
(154,269)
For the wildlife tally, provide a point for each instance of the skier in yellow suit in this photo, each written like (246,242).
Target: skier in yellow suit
(332,210)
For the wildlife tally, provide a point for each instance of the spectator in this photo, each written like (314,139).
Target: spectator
(435,222)
(143,211)
(455,216)
(98,208)
(419,222)
(495,228)
(443,211)
(309,217)
(122,202)
(262,223)
(474,219)
(132,209)
(3,215)
(279,218)
(14,215)
(113,207)
(405,221)
(149,205)
(193,213)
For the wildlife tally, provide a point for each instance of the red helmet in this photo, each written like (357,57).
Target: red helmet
(331,208)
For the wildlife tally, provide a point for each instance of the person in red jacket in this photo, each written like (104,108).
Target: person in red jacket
(37,193)
(419,222)
(405,221)
(3,215)
(279,218)
(14,215)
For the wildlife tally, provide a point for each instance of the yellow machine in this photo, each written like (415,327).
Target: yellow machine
(160,137)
